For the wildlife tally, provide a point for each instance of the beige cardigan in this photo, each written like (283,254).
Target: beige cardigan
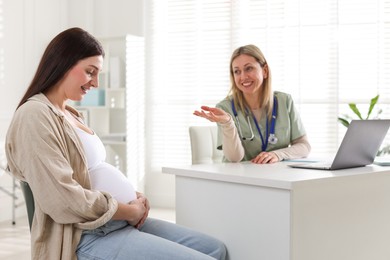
(43,149)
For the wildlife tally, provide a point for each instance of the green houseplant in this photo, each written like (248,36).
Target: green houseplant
(346,119)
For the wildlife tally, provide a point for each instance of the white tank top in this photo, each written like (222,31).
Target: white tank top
(104,176)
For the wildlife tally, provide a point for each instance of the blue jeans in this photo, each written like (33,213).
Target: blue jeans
(156,239)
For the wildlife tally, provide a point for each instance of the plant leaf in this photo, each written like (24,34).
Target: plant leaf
(355,110)
(343,121)
(372,105)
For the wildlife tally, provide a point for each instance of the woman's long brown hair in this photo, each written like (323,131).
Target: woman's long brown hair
(62,53)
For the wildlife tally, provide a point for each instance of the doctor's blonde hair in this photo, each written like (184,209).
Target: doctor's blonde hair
(266,93)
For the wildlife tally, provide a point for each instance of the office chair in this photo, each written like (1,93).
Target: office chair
(203,141)
(29,199)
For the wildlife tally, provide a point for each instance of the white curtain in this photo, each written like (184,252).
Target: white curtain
(325,53)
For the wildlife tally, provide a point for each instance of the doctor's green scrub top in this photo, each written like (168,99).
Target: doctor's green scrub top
(288,126)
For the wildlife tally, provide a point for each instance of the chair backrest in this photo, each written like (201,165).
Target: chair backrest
(29,199)
(204,144)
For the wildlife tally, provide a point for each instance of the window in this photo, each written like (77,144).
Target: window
(326,54)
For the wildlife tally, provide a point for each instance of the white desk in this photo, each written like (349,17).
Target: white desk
(274,212)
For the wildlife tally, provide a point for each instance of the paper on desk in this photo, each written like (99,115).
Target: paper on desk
(302,160)
(382,160)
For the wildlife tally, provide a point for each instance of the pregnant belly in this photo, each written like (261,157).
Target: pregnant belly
(105,177)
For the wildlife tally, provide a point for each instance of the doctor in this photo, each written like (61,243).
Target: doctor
(254,122)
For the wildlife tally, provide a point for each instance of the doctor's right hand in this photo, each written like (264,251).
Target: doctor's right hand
(213,114)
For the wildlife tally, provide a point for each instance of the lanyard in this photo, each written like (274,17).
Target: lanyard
(270,132)
(264,143)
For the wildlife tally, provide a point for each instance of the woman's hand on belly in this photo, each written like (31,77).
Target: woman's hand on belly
(132,212)
(138,213)
(147,207)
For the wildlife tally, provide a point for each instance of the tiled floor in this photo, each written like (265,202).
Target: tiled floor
(15,239)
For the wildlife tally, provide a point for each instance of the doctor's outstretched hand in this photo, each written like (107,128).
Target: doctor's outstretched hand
(213,114)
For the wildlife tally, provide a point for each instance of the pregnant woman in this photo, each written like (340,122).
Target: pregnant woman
(84,207)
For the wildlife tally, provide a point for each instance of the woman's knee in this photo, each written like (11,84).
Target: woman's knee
(220,251)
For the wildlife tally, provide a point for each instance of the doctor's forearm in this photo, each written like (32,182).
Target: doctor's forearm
(231,143)
(299,148)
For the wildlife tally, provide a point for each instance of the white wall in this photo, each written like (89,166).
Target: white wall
(107,18)
(26,30)
(28,27)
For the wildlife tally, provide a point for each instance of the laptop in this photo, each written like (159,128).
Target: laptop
(358,147)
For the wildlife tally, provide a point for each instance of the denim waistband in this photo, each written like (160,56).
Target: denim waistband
(107,228)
